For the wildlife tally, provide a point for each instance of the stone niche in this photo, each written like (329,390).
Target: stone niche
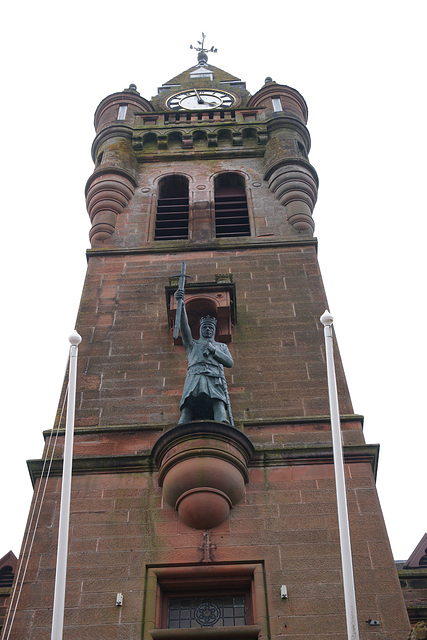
(214,299)
(203,469)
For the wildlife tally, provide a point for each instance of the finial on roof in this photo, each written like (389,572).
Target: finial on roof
(202,57)
(132,87)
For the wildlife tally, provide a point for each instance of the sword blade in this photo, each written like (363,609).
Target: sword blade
(177,319)
(181,283)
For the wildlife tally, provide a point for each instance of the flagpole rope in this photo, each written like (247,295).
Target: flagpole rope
(4,636)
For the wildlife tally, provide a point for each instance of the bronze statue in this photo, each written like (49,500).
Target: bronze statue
(205,394)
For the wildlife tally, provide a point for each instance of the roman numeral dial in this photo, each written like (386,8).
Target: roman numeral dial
(200,99)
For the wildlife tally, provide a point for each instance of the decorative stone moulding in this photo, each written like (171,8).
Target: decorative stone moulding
(203,468)
(289,174)
(107,194)
(296,189)
(152,141)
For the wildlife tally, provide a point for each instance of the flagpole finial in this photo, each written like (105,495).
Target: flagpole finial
(326,319)
(75,339)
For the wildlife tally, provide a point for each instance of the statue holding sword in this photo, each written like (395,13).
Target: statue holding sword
(205,393)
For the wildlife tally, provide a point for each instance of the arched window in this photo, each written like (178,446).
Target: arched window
(172,209)
(231,206)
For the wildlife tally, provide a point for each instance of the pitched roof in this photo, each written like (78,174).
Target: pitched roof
(8,559)
(418,553)
(219,75)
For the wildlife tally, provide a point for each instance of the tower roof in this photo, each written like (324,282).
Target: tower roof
(219,75)
(201,75)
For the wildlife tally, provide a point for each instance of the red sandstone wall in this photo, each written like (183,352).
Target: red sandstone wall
(130,372)
(287,519)
(129,385)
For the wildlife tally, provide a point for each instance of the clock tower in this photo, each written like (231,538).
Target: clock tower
(194,524)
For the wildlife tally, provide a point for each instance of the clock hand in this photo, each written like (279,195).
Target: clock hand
(199,99)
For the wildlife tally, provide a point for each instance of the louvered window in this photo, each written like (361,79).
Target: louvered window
(6,577)
(231,206)
(172,209)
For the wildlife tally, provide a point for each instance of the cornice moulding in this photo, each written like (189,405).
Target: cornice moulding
(183,246)
(143,463)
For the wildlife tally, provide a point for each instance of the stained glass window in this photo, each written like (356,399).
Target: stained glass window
(214,611)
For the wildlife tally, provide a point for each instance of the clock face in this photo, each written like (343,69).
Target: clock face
(200,99)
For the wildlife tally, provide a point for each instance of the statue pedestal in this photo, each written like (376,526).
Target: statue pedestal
(203,468)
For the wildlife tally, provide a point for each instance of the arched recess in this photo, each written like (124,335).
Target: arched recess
(175,140)
(172,208)
(214,299)
(225,138)
(249,137)
(231,206)
(149,143)
(199,306)
(200,139)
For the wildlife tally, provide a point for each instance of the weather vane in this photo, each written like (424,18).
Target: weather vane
(202,56)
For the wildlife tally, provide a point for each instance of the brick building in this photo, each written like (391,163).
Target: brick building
(199,525)
(413,580)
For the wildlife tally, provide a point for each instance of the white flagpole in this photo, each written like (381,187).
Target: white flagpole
(64,516)
(344,529)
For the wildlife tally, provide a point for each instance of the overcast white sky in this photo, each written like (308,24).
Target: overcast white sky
(360,67)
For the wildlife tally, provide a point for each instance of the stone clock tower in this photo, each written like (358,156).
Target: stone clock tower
(205,528)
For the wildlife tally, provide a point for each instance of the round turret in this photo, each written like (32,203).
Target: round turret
(120,107)
(287,170)
(279,98)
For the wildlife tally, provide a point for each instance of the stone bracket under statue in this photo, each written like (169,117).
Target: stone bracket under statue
(203,469)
